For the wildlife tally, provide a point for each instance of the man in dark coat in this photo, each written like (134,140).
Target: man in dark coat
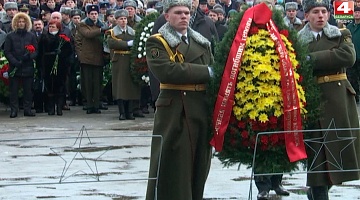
(221,29)
(40,96)
(179,57)
(331,51)
(20,50)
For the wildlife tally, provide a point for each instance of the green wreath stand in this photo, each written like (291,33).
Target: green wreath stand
(272,158)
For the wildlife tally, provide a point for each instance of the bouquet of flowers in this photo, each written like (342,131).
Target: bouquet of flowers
(30,49)
(138,66)
(272,88)
(4,83)
(63,39)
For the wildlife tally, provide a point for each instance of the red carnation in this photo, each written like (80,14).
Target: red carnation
(244,134)
(274,138)
(285,32)
(64,37)
(241,124)
(30,48)
(5,68)
(264,139)
(273,120)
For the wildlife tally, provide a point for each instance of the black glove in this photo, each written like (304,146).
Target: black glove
(57,51)
(104,29)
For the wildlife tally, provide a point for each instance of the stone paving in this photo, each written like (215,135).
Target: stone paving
(38,160)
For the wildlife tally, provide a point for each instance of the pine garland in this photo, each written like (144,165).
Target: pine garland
(271,158)
(138,66)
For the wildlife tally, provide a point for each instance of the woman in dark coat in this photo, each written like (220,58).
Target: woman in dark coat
(55,47)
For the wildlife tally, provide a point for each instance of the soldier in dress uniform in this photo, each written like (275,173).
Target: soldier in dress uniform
(120,40)
(331,51)
(179,58)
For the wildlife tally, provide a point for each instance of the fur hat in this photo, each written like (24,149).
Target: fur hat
(129,3)
(10,5)
(65,10)
(92,7)
(309,4)
(75,12)
(291,6)
(171,3)
(121,13)
(109,12)
(16,18)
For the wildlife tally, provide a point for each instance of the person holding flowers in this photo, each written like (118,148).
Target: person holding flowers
(331,50)
(20,50)
(55,54)
(120,40)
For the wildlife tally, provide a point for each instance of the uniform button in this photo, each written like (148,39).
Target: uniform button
(339,84)
(184,93)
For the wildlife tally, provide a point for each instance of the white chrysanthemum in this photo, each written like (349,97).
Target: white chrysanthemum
(147,79)
(139,55)
(148,35)
(151,30)
(78,77)
(140,49)
(151,24)
(146,28)
(2,58)
(141,38)
(143,78)
(143,34)
(144,53)
(140,43)
(145,39)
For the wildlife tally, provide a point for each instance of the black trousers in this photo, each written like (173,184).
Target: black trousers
(267,183)
(92,76)
(26,83)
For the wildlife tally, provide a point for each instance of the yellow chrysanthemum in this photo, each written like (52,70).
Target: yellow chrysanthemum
(258,93)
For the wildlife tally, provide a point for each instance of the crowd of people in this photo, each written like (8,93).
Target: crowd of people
(48,43)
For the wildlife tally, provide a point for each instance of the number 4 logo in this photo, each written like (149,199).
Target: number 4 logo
(343,9)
